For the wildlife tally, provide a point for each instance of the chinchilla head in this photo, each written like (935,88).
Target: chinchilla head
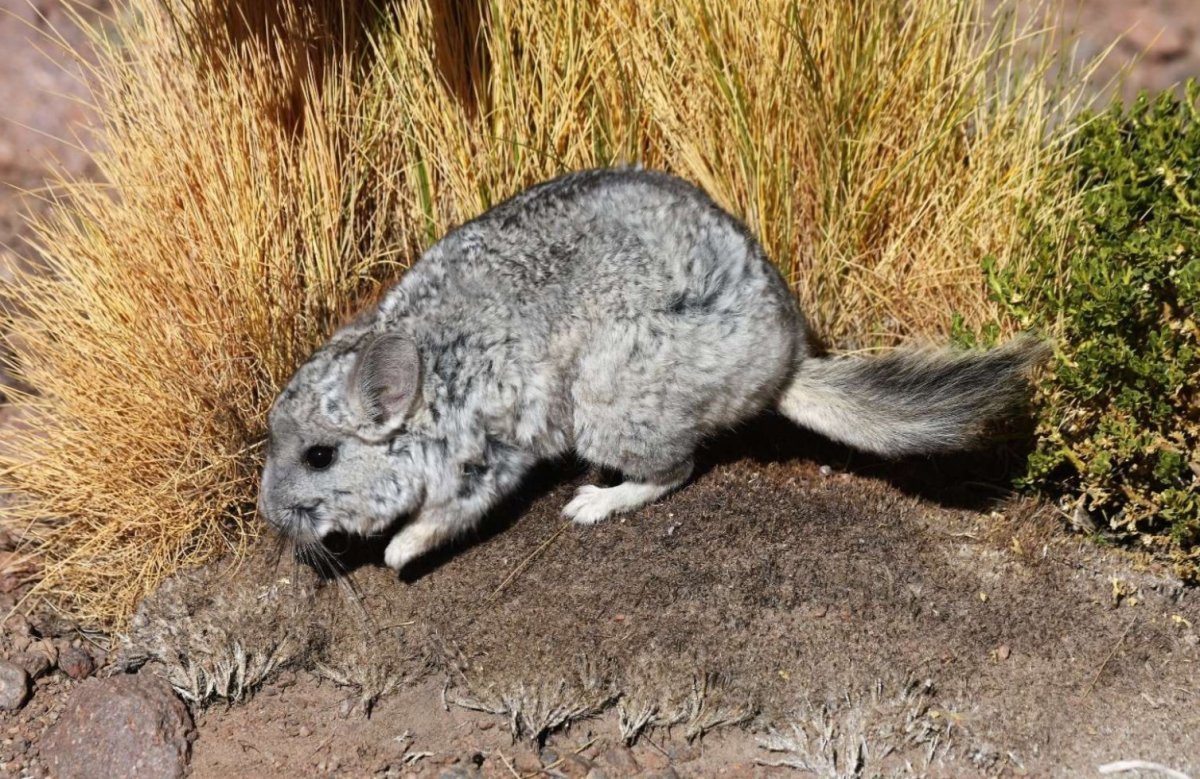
(341,455)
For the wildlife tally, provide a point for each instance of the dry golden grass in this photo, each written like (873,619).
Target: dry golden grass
(265,167)
(226,237)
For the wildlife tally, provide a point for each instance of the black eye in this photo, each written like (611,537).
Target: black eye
(319,457)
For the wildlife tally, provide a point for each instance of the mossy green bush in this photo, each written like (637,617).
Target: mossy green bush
(1119,414)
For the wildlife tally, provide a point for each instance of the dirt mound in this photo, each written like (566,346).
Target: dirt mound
(769,593)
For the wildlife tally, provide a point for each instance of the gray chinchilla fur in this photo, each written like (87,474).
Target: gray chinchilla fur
(616,313)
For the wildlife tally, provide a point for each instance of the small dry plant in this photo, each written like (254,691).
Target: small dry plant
(266,166)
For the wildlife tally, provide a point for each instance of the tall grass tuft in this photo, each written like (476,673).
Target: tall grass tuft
(267,165)
(226,235)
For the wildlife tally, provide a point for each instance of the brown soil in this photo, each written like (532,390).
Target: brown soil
(874,616)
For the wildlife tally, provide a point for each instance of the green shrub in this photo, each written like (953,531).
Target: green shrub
(1119,414)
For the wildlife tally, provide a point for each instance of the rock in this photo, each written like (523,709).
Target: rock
(620,761)
(576,767)
(14,686)
(17,625)
(526,762)
(35,663)
(123,726)
(76,662)
(46,647)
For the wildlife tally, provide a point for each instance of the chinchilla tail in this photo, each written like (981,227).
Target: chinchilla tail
(912,401)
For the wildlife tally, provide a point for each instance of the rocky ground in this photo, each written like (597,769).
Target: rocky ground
(1043,655)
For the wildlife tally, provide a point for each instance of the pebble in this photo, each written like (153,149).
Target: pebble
(47,648)
(526,762)
(575,767)
(17,625)
(14,686)
(304,732)
(76,662)
(35,663)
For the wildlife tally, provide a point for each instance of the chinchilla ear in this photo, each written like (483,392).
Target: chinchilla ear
(385,380)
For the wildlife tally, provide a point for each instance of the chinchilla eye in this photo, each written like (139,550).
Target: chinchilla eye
(319,457)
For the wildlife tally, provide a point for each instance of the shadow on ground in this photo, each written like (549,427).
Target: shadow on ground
(975,480)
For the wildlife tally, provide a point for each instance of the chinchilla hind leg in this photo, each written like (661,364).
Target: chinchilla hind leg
(592,504)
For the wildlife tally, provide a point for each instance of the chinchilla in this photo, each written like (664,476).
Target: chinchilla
(616,313)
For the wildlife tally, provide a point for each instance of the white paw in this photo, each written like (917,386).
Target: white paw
(400,552)
(590,505)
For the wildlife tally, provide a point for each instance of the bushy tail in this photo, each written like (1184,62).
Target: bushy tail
(911,401)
